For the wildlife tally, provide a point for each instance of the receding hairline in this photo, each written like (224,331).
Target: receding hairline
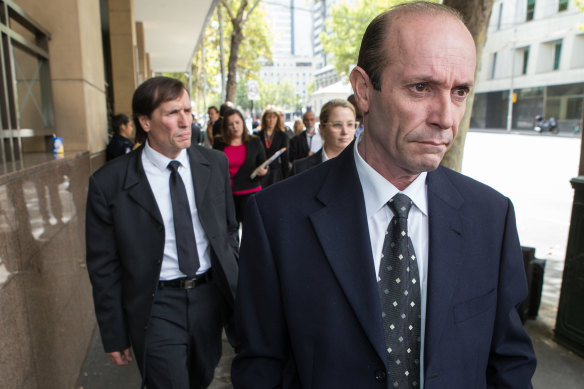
(400,13)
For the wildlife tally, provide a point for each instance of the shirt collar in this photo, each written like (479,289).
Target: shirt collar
(378,191)
(161,161)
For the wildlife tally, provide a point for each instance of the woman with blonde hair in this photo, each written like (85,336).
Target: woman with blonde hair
(274,139)
(337,129)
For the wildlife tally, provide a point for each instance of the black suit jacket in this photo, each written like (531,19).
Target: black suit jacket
(279,169)
(254,157)
(306,163)
(308,306)
(298,146)
(125,241)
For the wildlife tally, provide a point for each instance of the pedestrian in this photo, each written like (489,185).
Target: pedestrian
(162,246)
(337,128)
(121,142)
(385,269)
(274,139)
(245,154)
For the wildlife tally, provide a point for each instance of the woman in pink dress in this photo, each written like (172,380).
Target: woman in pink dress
(244,153)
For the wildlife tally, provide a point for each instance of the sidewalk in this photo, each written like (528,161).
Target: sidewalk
(528,169)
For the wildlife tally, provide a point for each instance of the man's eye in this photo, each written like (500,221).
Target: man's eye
(420,87)
(461,92)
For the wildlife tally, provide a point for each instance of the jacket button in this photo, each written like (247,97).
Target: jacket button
(380,376)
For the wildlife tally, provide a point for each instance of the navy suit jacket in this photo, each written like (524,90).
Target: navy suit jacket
(308,307)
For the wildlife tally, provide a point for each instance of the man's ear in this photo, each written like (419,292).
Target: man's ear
(362,88)
(144,122)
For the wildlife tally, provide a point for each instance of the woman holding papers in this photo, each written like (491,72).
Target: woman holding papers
(274,139)
(244,153)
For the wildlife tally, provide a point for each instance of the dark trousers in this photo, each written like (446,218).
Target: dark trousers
(239,201)
(183,344)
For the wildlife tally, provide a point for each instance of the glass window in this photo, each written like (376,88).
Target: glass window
(525,60)
(493,66)
(26,102)
(530,10)
(557,55)
(562,5)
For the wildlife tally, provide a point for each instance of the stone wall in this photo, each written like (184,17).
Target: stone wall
(46,307)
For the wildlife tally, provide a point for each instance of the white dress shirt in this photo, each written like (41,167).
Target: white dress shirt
(314,141)
(377,192)
(155,166)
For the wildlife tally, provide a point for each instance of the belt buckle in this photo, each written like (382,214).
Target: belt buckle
(189,283)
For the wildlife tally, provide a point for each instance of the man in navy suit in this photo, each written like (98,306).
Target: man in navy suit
(308,306)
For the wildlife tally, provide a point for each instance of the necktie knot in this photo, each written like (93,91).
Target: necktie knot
(173,166)
(400,204)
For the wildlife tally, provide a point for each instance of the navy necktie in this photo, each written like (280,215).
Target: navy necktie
(399,292)
(186,244)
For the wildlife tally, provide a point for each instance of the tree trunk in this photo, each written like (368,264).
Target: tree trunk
(221,51)
(476,13)
(236,38)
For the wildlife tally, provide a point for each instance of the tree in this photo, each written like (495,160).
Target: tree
(238,19)
(345,28)
(206,73)
(477,14)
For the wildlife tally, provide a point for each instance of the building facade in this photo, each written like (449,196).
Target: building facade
(533,56)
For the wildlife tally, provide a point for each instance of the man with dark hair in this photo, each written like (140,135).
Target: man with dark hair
(120,143)
(213,114)
(162,245)
(217,124)
(385,269)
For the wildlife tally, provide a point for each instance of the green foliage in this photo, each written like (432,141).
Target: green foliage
(256,46)
(178,76)
(345,28)
(282,95)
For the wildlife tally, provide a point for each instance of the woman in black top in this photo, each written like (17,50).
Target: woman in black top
(244,153)
(274,138)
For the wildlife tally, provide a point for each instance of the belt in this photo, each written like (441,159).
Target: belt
(187,282)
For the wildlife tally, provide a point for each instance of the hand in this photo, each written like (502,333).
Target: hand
(263,171)
(310,153)
(121,358)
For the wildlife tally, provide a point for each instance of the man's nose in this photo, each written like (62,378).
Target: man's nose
(185,119)
(442,111)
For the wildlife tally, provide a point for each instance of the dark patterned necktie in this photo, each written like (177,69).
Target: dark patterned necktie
(186,244)
(399,292)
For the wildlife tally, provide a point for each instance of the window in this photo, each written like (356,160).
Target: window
(557,55)
(26,108)
(530,10)
(525,60)
(500,17)
(493,66)
(562,5)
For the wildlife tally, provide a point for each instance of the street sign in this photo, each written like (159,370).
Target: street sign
(253,90)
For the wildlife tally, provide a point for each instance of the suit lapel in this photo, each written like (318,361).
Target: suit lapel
(201,174)
(136,183)
(341,227)
(445,256)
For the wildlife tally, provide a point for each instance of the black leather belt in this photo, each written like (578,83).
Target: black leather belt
(187,282)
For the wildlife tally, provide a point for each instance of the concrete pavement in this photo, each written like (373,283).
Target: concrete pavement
(530,170)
